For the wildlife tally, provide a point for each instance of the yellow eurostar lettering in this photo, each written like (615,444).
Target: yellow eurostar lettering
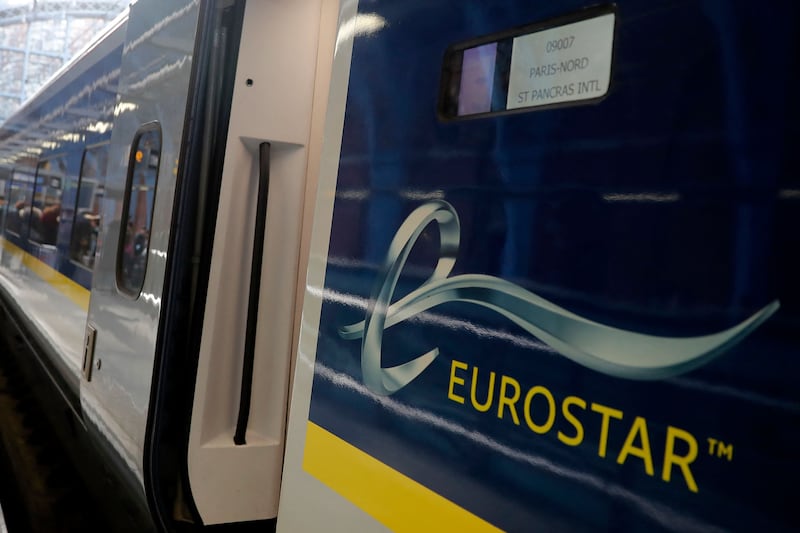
(551,405)
(456,380)
(482,407)
(565,405)
(637,442)
(638,428)
(725,450)
(608,413)
(683,462)
(506,400)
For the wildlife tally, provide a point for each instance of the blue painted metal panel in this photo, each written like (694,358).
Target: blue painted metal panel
(668,209)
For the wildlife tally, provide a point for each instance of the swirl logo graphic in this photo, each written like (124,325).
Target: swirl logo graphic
(609,350)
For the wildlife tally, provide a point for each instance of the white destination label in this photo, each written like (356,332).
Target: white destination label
(563,64)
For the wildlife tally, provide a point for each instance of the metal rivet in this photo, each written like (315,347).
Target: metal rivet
(249,82)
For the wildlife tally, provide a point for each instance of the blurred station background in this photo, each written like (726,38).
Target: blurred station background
(38,36)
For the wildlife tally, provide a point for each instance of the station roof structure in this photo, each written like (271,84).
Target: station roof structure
(38,36)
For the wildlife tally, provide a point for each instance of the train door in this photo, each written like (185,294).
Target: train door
(236,441)
(125,304)
(552,280)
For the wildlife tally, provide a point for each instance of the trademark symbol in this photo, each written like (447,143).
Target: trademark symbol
(717,448)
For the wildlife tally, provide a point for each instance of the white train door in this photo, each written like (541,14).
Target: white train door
(251,319)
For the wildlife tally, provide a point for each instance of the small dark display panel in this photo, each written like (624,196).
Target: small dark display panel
(561,61)
(477,79)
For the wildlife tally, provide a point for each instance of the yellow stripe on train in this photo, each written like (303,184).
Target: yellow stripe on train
(64,285)
(395,500)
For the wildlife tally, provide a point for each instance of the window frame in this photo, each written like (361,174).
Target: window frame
(5,192)
(20,234)
(72,230)
(126,204)
(46,187)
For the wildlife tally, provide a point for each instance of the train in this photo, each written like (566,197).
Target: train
(372,265)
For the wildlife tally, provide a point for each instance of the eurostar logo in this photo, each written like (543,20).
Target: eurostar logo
(609,350)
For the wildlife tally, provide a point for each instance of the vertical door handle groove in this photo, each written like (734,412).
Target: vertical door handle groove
(255,289)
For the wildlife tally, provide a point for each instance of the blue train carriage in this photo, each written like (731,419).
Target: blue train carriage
(54,155)
(424,267)
(552,283)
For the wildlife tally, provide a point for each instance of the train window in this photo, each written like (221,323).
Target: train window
(4,182)
(88,196)
(137,210)
(45,214)
(20,193)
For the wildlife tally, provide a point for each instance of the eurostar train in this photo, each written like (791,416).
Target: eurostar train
(419,266)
